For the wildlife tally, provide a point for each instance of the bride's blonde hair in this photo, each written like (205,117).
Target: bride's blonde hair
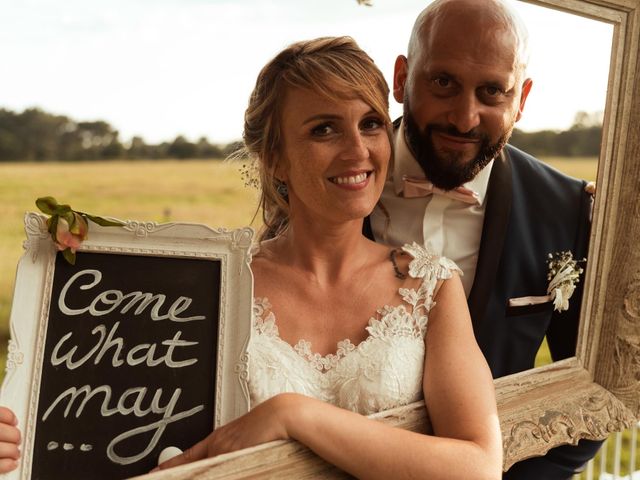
(334,67)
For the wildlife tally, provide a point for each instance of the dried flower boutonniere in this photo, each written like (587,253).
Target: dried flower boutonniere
(69,228)
(563,275)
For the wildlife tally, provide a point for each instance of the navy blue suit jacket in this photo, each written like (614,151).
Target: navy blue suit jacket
(532,210)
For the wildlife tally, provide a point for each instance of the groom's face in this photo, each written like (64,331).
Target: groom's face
(463,91)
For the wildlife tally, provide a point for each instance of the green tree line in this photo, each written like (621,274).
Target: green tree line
(38,136)
(581,140)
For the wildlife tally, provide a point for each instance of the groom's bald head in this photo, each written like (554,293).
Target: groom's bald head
(490,14)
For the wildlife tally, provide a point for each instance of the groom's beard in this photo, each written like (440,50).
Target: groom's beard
(447,170)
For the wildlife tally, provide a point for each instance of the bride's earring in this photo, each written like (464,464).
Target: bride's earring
(282,189)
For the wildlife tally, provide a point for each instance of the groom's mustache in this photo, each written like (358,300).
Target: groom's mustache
(473,134)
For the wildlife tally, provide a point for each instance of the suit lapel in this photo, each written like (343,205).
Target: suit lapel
(496,220)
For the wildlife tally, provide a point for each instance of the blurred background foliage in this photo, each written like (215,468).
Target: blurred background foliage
(37,136)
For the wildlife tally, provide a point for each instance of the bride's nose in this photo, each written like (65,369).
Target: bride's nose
(354,145)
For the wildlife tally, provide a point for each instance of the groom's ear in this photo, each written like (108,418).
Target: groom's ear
(526,88)
(400,72)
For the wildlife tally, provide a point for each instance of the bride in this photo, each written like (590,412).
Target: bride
(345,327)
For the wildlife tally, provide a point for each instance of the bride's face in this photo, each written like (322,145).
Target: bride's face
(334,156)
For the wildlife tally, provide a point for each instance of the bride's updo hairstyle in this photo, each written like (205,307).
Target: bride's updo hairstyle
(334,67)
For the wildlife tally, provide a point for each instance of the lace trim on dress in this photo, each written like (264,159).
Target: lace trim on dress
(397,322)
(391,321)
(329,361)
(266,325)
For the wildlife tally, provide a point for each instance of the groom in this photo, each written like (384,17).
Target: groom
(496,211)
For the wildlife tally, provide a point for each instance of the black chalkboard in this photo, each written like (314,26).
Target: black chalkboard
(129,364)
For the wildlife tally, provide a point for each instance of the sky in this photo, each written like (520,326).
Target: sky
(162,68)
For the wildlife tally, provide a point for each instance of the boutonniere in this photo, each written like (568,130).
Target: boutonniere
(564,274)
(68,227)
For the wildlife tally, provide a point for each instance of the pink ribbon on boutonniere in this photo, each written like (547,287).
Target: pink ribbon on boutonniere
(564,274)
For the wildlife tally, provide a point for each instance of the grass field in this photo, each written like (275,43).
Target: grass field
(209,192)
(579,167)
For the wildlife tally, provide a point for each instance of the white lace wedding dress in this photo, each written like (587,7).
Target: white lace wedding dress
(382,372)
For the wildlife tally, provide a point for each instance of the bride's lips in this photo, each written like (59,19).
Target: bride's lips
(352,180)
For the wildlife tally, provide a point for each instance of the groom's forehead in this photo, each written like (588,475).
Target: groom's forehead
(491,59)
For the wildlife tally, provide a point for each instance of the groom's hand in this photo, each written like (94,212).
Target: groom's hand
(590,188)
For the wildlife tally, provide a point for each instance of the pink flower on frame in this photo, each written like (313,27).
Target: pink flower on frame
(71,236)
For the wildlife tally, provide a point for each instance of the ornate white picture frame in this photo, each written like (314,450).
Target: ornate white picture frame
(230,250)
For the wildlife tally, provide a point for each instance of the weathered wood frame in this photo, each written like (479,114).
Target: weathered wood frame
(597,391)
(30,309)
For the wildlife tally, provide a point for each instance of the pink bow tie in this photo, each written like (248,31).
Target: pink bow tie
(419,187)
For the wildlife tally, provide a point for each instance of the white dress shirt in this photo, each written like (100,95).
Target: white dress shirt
(451,228)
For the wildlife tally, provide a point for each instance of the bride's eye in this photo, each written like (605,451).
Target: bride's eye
(322,130)
(371,124)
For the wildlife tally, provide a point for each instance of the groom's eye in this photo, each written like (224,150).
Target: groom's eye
(442,82)
(493,91)
(491,94)
(443,85)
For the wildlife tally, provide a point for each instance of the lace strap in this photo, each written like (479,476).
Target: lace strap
(428,265)
(263,319)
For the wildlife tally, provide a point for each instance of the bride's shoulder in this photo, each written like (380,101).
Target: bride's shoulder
(264,260)
(265,251)
(420,261)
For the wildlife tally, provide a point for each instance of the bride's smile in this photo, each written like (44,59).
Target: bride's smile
(352,181)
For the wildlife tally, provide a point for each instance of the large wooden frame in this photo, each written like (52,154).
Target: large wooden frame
(597,391)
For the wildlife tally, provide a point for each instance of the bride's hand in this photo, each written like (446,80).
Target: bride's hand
(264,423)
(9,440)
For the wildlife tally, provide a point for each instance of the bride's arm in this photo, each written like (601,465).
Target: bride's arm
(460,399)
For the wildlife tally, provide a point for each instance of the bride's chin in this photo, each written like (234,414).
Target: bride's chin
(335,212)
(360,212)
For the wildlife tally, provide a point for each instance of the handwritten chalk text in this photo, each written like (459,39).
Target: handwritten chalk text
(110,300)
(139,354)
(130,402)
